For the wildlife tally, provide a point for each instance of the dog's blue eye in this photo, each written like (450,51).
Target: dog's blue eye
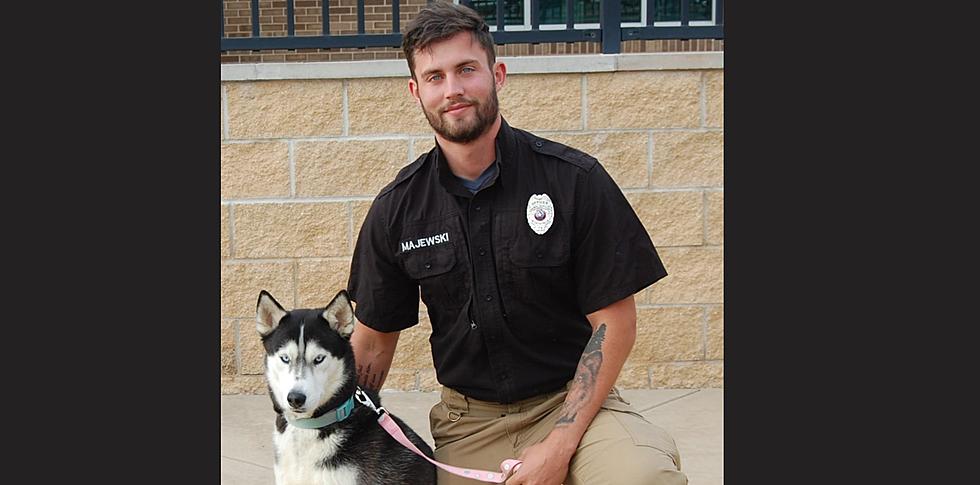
(318,359)
(284,358)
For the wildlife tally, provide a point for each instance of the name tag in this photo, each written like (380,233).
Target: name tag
(424,241)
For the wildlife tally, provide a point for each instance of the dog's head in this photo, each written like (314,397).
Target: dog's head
(309,361)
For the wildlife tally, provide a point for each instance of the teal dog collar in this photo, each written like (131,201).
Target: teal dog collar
(339,414)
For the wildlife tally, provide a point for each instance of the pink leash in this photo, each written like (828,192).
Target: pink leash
(507,466)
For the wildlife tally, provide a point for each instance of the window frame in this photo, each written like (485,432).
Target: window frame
(581,26)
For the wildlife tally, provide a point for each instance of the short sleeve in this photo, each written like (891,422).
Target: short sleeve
(612,252)
(387,299)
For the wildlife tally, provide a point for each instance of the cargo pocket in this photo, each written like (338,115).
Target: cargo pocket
(641,431)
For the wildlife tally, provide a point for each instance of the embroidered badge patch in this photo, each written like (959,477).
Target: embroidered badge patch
(540,213)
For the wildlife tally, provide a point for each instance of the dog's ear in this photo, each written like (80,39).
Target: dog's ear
(268,313)
(340,314)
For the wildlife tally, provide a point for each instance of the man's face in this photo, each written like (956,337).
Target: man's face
(456,88)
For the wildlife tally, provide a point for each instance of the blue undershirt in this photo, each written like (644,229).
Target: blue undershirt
(475,185)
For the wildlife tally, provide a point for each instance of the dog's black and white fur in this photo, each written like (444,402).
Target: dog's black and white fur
(310,371)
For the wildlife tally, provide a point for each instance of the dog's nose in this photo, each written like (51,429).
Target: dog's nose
(296,399)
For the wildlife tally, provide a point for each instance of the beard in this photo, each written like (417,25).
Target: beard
(464,130)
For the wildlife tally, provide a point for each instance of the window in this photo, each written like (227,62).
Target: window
(517,13)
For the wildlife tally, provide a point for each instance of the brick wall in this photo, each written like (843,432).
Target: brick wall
(343,20)
(301,160)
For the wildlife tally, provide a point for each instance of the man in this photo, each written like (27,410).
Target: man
(527,255)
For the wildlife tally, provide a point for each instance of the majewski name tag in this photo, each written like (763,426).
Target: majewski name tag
(424,242)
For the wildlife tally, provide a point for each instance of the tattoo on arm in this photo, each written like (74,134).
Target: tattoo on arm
(583,384)
(368,380)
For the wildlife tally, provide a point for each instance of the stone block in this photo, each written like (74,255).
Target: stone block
(715,341)
(378,106)
(285,108)
(688,375)
(258,169)
(688,159)
(348,167)
(541,102)
(319,280)
(694,275)
(241,283)
(623,155)
(715,214)
(228,365)
(644,99)
(292,230)
(670,218)
(715,98)
(667,334)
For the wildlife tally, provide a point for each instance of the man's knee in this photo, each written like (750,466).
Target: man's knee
(647,467)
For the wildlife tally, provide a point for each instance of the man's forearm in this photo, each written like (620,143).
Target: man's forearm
(602,359)
(373,353)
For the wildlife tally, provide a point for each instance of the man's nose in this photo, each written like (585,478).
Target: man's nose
(454,88)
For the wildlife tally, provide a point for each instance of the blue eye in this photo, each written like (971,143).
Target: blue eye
(284,358)
(435,77)
(468,69)
(318,359)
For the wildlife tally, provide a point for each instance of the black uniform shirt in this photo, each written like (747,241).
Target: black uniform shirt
(507,304)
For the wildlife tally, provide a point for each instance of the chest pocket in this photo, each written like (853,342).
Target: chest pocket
(432,255)
(534,270)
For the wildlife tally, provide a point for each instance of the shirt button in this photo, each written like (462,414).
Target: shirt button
(473,325)
(488,298)
(429,265)
(537,144)
(477,208)
(540,256)
(483,251)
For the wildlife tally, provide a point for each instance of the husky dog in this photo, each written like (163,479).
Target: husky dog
(323,435)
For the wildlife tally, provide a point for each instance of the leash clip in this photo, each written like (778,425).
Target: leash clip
(363,398)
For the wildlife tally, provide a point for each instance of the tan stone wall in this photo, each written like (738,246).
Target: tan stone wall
(290,216)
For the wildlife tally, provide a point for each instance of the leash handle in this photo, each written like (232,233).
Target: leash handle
(506,467)
(388,424)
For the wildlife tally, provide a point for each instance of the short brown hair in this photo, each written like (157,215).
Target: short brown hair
(441,20)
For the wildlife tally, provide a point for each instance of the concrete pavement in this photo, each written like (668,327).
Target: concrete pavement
(694,417)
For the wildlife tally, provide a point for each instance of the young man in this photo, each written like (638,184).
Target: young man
(527,255)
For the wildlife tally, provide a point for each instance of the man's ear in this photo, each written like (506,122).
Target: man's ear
(413,87)
(499,74)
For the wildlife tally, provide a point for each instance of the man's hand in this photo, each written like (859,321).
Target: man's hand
(545,463)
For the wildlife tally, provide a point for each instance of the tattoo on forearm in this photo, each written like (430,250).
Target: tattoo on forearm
(583,384)
(368,380)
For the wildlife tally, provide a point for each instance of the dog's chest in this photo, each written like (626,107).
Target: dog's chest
(300,454)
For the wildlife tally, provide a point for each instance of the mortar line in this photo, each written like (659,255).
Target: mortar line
(344,111)
(648,408)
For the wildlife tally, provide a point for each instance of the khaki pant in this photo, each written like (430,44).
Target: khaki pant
(620,447)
